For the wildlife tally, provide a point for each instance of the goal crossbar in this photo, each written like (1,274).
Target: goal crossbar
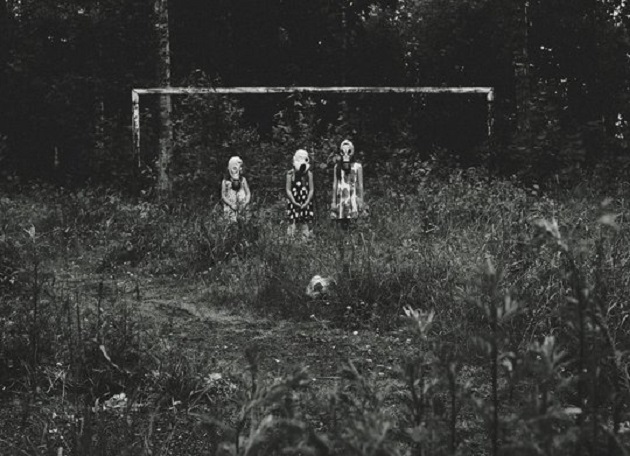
(136,92)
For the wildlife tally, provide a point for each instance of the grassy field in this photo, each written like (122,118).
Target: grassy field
(468,316)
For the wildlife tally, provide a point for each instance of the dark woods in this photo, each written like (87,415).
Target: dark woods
(560,69)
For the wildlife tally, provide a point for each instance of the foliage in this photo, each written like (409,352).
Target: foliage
(575,102)
(527,355)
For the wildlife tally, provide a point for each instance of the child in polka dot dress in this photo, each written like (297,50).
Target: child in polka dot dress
(300,189)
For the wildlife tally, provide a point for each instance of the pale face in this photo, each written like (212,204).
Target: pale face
(235,167)
(347,150)
(235,171)
(301,161)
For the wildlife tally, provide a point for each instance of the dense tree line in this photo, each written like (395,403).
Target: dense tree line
(560,69)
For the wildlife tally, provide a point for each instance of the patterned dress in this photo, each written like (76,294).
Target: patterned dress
(299,190)
(347,181)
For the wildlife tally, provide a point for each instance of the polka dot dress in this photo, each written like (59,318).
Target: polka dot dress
(299,190)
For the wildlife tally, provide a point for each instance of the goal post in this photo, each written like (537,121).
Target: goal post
(136,93)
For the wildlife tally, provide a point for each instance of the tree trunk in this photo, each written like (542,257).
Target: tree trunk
(522,73)
(99,105)
(164,80)
(345,111)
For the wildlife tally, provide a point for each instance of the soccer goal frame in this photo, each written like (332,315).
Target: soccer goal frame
(136,93)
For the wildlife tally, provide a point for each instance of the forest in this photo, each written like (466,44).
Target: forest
(479,305)
(559,70)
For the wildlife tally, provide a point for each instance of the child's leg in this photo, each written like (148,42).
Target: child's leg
(307,230)
(291,229)
(229,213)
(342,225)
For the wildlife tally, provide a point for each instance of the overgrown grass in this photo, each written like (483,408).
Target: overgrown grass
(517,301)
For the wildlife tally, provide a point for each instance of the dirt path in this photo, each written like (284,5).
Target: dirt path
(179,312)
(283,345)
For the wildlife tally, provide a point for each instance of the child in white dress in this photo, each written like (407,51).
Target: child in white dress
(235,191)
(347,195)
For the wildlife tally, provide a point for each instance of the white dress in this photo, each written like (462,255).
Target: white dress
(347,183)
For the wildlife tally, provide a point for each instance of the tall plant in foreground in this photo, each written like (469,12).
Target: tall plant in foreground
(268,421)
(599,355)
(497,309)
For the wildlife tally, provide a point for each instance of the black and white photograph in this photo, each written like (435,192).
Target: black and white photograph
(314,227)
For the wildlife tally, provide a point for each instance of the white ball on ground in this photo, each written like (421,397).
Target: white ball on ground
(319,286)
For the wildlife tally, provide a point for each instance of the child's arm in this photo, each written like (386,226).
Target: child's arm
(311,189)
(248,194)
(360,193)
(225,188)
(288,190)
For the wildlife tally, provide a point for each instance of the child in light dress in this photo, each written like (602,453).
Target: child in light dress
(235,191)
(347,196)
